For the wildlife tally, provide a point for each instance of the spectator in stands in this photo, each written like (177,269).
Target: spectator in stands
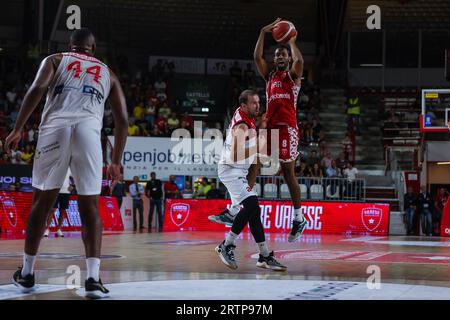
(173,122)
(5,159)
(137,191)
(313,159)
(351,173)
(316,172)
(439,203)
(353,112)
(13,115)
(118,190)
(160,86)
(347,147)
(139,113)
(410,206)
(302,170)
(171,189)
(133,129)
(333,171)
(426,207)
(153,191)
(316,127)
(156,133)
(161,125)
(164,111)
(214,193)
(16,157)
(27,155)
(187,192)
(341,161)
(326,161)
(188,121)
(204,187)
(150,112)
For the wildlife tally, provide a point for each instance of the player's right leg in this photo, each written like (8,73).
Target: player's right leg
(299,222)
(86,166)
(49,169)
(227,216)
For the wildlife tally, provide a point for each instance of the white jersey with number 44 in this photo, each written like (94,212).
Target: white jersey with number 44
(78,91)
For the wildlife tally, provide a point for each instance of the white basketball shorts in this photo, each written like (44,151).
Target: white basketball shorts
(235,180)
(76,146)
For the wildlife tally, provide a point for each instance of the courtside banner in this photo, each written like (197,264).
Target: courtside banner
(276,216)
(182,157)
(15,209)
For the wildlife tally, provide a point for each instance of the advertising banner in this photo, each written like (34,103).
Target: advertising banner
(16,175)
(15,209)
(276,216)
(143,155)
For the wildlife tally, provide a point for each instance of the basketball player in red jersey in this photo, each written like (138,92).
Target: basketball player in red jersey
(77,86)
(283,80)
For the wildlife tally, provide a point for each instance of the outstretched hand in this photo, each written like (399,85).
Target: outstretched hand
(269,27)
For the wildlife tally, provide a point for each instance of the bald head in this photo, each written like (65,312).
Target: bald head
(82,40)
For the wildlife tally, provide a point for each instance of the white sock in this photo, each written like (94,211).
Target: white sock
(230,238)
(28,264)
(298,215)
(234,210)
(93,268)
(263,249)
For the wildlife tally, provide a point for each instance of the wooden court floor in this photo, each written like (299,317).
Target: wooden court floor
(144,258)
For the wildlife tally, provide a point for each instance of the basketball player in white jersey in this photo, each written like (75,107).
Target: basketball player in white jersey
(239,153)
(62,204)
(77,85)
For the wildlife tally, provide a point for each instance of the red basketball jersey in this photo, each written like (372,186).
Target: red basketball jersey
(281,93)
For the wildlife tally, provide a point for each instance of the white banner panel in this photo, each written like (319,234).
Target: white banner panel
(188,157)
(182,64)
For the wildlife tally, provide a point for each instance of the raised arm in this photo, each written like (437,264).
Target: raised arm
(258,55)
(32,98)
(120,115)
(297,60)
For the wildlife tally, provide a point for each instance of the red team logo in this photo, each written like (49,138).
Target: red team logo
(371,218)
(9,209)
(179,212)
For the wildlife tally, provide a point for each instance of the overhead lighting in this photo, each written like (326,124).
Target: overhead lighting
(371,65)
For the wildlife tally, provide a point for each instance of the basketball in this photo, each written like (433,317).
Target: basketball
(283,31)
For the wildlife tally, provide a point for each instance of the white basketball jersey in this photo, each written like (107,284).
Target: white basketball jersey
(78,92)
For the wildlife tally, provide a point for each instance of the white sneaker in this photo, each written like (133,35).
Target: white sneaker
(59,233)
(47,231)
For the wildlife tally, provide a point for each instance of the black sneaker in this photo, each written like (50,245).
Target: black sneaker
(270,263)
(222,218)
(95,289)
(226,254)
(297,230)
(26,284)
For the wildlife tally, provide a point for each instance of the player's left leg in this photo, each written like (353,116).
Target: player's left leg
(36,225)
(266,258)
